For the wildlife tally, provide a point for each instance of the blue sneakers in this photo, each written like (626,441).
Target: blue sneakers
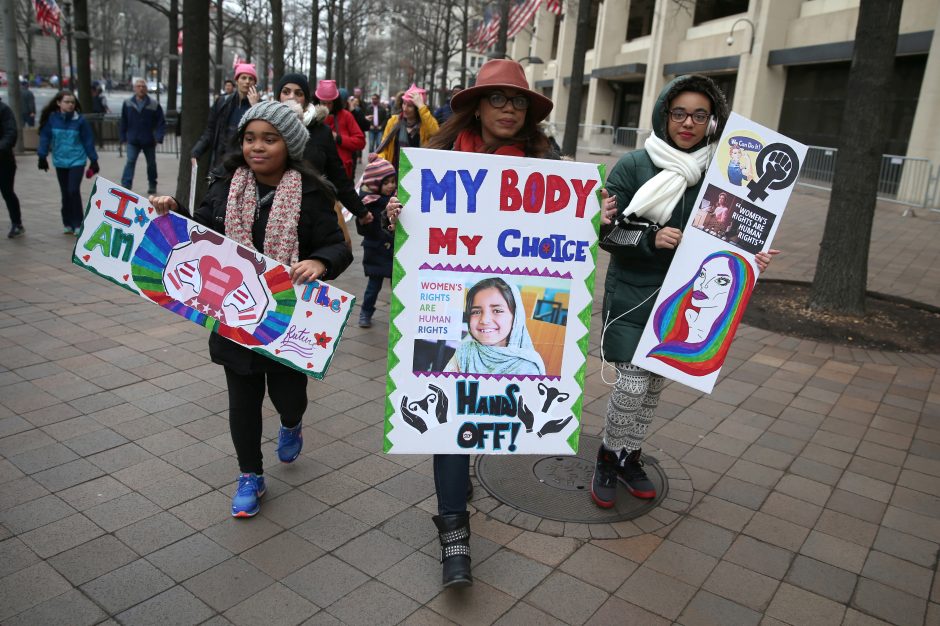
(290,441)
(246,501)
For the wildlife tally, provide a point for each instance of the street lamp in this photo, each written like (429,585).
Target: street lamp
(730,39)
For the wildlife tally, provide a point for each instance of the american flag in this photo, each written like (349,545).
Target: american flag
(554,6)
(488,30)
(47,16)
(522,11)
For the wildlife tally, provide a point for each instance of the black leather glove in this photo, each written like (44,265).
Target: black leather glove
(411,418)
(94,167)
(44,164)
(554,426)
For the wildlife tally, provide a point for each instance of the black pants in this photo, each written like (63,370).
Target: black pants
(451,480)
(288,390)
(7,176)
(70,184)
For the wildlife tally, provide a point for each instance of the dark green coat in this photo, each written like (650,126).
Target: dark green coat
(633,277)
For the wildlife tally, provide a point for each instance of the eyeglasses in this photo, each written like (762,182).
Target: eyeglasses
(498,100)
(679,116)
(64,101)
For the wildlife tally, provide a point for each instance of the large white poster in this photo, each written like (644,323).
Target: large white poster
(697,311)
(210,280)
(491,303)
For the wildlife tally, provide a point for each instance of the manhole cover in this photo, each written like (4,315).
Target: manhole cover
(559,487)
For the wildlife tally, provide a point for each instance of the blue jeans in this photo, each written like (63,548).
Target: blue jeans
(375,138)
(70,184)
(371,295)
(451,480)
(150,153)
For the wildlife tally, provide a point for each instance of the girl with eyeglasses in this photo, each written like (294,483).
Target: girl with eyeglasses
(65,133)
(660,184)
(498,115)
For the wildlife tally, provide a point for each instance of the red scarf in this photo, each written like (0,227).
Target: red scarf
(470,141)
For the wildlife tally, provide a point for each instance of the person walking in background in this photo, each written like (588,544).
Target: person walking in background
(65,133)
(142,128)
(8,169)
(320,151)
(377,115)
(27,104)
(224,116)
(346,132)
(443,112)
(412,129)
(268,200)
(379,182)
(355,107)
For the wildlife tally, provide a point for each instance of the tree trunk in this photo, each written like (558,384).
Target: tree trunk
(330,34)
(465,23)
(576,87)
(13,68)
(500,51)
(173,72)
(219,49)
(445,88)
(841,275)
(82,54)
(195,103)
(314,42)
(277,37)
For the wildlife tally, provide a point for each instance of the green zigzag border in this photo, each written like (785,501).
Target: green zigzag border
(394,334)
(585,315)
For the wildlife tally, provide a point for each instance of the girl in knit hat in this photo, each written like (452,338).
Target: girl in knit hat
(379,182)
(268,200)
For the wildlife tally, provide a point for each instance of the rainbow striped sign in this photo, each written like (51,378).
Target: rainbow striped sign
(210,280)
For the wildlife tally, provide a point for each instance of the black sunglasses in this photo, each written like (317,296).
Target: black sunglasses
(498,100)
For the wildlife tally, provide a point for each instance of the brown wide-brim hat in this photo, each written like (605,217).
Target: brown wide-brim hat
(502,73)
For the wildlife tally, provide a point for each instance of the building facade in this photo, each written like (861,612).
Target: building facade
(782,63)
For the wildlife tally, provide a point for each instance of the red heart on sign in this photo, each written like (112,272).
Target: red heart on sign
(125,276)
(98,203)
(86,257)
(309,313)
(343,298)
(309,365)
(149,209)
(277,352)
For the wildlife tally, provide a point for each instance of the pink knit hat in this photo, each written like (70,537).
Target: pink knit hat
(246,68)
(414,89)
(326,90)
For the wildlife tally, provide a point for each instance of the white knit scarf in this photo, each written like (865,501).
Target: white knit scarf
(657,197)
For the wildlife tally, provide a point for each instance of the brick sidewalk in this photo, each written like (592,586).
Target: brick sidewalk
(815,469)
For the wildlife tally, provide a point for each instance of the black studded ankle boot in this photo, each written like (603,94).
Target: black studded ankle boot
(454,532)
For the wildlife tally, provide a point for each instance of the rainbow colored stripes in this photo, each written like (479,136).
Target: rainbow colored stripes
(149,262)
(672,328)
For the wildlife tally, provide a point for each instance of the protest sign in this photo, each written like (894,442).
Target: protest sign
(744,193)
(491,303)
(210,280)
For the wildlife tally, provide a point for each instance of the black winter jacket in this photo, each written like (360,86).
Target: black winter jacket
(7,132)
(217,137)
(321,153)
(319,237)
(378,242)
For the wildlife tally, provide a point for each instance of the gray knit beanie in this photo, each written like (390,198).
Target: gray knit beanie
(281,117)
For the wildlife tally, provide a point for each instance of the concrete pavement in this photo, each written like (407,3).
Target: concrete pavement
(814,472)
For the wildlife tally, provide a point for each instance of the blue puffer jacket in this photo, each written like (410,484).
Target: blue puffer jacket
(70,139)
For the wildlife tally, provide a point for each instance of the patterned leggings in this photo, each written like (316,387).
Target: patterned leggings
(631,406)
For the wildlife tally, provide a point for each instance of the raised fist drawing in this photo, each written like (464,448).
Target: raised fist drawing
(777,165)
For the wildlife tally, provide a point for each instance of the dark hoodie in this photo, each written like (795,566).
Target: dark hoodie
(635,274)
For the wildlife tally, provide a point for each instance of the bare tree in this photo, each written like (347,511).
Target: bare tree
(82,52)
(195,80)
(314,43)
(839,284)
(582,39)
(171,11)
(277,37)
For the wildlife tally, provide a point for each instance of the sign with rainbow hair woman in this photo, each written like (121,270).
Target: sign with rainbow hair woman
(737,213)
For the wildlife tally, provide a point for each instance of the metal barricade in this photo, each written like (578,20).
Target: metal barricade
(596,138)
(107,135)
(626,138)
(903,180)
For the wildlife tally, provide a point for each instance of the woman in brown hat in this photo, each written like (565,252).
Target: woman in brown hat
(498,115)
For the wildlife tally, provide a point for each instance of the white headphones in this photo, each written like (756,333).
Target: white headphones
(712,127)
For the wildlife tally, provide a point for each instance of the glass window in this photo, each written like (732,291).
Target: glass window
(706,10)
(640,19)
